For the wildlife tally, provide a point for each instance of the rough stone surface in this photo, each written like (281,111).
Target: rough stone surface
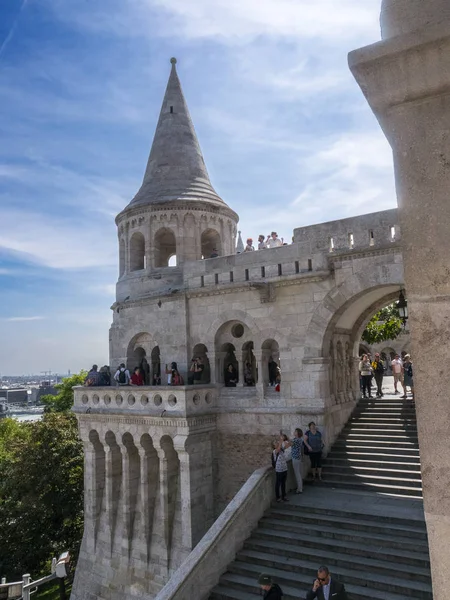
(406,82)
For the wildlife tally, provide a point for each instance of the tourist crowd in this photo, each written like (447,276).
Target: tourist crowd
(272,241)
(402,371)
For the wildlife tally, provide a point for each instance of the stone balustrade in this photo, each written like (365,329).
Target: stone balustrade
(174,401)
(360,233)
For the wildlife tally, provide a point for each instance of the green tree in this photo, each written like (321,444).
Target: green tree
(63,401)
(383,326)
(41,494)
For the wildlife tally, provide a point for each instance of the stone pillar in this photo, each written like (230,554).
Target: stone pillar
(241,369)
(212,367)
(220,357)
(406,79)
(260,365)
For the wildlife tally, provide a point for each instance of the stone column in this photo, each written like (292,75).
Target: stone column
(164,507)
(90,495)
(220,357)
(212,357)
(260,365)
(241,369)
(406,79)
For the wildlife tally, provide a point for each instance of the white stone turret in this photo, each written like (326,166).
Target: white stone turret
(176,216)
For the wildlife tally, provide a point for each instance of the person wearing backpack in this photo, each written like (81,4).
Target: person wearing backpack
(378,371)
(122,375)
(272,591)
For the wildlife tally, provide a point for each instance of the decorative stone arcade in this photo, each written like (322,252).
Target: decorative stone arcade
(148,485)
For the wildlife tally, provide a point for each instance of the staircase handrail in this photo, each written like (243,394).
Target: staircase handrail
(201,571)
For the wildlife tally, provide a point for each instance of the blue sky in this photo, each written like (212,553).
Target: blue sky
(282,124)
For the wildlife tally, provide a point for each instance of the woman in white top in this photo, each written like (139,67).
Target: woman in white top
(365,369)
(280,464)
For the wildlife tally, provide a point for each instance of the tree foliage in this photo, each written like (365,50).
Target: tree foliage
(385,325)
(63,401)
(41,487)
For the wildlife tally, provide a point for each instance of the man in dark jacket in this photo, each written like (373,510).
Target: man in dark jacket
(326,587)
(272,591)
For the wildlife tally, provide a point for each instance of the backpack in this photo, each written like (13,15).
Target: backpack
(122,376)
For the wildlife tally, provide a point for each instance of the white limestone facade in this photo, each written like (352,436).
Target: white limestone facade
(163,461)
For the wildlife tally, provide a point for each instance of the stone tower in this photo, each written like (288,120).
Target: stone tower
(148,457)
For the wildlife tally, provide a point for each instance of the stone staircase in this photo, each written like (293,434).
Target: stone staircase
(365,521)
(378,449)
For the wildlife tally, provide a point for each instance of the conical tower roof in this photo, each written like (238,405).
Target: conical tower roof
(175,169)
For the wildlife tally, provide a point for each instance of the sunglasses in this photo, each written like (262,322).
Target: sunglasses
(322,578)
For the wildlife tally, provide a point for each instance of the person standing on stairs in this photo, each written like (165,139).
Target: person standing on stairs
(279,462)
(408,380)
(297,444)
(314,443)
(397,372)
(365,369)
(378,371)
(326,587)
(272,591)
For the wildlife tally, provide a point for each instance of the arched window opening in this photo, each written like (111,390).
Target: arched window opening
(201,352)
(271,362)
(230,374)
(165,247)
(137,252)
(172,261)
(211,244)
(121,257)
(249,365)
(155,360)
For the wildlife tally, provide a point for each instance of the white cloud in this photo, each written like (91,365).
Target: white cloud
(19,319)
(55,242)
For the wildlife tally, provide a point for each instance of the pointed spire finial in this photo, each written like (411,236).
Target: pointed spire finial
(240,244)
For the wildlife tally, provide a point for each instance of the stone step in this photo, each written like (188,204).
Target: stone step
(360,434)
(241,587)
(299,572)
(383,471)
(380,430)
(384,455)
(357,483)
(330,532)
(369,447)
(346,548)
(363,461)
(334,559)
(307,504)
(350,521)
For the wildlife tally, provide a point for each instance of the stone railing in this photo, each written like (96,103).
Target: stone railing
(269,265)
(373,230)
(201,570)
(145,400)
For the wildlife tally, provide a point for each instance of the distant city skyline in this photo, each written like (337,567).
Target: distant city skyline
(287,137)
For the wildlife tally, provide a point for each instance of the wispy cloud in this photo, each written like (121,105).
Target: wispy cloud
(20,319)
(11,32)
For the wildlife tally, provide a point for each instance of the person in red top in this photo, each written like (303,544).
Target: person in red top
(136,378)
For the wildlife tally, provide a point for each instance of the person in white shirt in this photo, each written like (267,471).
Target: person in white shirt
(273,241)
(397,372)
(122,375)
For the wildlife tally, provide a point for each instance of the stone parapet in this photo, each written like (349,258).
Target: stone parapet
(356,233)
(157,401)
